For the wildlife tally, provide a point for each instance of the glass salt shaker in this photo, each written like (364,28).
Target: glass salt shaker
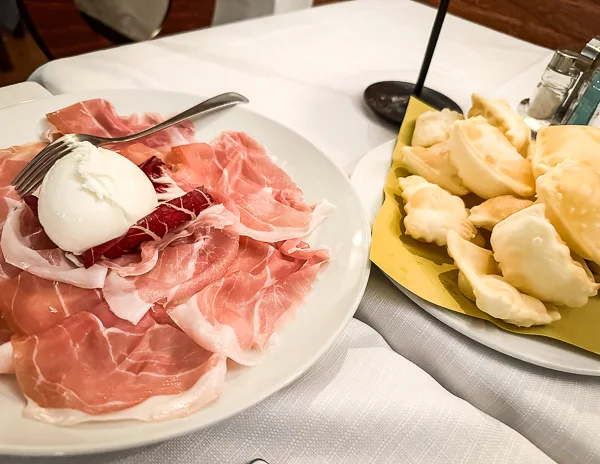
(556,81)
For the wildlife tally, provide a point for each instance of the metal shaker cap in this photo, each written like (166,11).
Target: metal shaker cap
(592,48)
(564,62)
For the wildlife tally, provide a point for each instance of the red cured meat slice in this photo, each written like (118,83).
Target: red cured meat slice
(195,164)
(31,305)
(12,162)
(7,365)
(166,217)
(98,117)
(196,256)
(265,218)
(237,315)
(5,332)
(160,176)
(90,368)
(248,166)
(6,352)
(138,153)
(271,206)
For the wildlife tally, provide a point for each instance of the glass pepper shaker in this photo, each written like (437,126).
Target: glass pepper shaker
(553,87)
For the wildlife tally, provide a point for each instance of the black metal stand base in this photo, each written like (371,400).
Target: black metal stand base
(389,99)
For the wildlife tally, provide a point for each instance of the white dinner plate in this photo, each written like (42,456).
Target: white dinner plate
(368,179)
(328,309)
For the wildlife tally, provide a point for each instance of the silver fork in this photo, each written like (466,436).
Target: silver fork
(32,175)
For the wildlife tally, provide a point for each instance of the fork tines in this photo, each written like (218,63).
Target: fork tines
(33,174)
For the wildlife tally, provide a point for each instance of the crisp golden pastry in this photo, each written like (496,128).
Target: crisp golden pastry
(465,287)
(492,211)
(557,143)
(433,165)
(571,193)
(499,114)
(493,295)
(534,259)
(486,162)
(531,152)
(433,127)
(432,211)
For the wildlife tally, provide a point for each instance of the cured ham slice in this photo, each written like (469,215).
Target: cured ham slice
(194,257)
(7,365)
(12,162)
(6,358)
(98,117)
(264,218)
(5,332)
(138,153)
(110,369)
(237,315)
(30,305)
(271,206)
(26,246)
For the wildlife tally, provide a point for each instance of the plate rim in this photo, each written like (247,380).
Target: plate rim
(359,290)
(436,311)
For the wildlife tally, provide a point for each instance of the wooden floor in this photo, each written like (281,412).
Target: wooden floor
(25,56)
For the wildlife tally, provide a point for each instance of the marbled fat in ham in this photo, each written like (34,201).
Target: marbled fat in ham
(238,314)
(271,206)
(94,366)
(197,256)
(30,304)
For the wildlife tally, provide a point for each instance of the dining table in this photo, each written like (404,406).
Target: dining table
(397,386)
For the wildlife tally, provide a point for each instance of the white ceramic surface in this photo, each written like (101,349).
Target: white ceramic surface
(368,180)
(326,312)
(22,92)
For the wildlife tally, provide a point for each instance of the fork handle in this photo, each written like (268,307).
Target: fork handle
(207,106)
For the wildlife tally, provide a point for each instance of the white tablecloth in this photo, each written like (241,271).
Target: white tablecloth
(363,402)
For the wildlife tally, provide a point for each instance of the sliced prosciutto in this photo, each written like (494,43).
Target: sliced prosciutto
(26,246)
(194,257)
(12,162)
(6,361)
(98,117)
(5,332)
(138,153)
(237,315)
(7,365)
(93,367)
(271,205)
(30,304)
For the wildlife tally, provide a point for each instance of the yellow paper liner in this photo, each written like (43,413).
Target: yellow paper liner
(427,270)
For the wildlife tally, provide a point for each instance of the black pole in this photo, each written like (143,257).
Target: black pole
(433,38)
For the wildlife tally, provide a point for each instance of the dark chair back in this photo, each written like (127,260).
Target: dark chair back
(61,30)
